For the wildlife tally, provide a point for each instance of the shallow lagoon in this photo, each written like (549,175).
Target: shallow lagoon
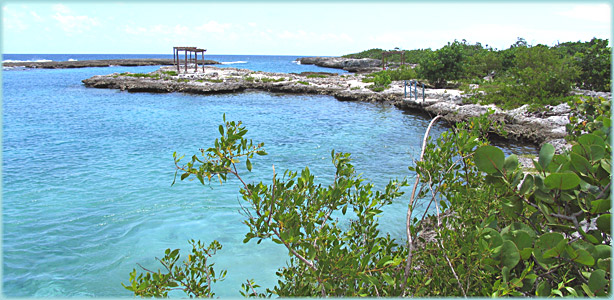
(87,175)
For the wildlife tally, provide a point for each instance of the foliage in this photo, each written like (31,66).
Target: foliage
(539,77)
(169,73)
(381,81)
(589,115)
(143,75)
(316,76)
(443,65)
(303,82)
(268,79)
(517,234)
(496,231)
(594,63)
(400,73)
(371,53)
(195,276)
(409,56)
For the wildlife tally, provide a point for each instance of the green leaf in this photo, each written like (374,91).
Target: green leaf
(545,155)
(221,129)
(604,223)
(604,264)
(511,163)
(388,279)
(582,256)
(509,254)
(557,250)
(489,159)
(562,181)
(527,184)
(597,282)
(248,164)
(600,206)
(580,163)
(597,152)
(603,251)
(543,289)
(591,139)
(521,238)
(544,243)
(492,238)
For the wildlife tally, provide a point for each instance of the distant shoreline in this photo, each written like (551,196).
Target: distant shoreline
(97,63)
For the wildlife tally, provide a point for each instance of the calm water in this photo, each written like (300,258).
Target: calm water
(266,63)
(87,174)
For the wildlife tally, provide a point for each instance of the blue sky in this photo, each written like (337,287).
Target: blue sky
(291,28)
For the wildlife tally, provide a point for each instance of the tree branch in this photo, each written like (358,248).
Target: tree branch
(410,240)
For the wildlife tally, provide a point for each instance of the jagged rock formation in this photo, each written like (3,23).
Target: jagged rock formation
(349,64)
(520,123)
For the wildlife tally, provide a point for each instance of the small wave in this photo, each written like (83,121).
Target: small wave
(233,62)
(19,61)
(298,62)
(72,59)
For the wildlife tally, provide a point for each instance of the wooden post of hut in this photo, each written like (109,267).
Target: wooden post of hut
(176,59)
(387,53)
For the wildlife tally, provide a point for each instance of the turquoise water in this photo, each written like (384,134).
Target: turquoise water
(87,176)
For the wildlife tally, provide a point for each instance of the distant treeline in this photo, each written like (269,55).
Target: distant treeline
(521,74)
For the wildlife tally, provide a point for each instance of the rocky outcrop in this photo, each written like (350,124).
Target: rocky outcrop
(349,64)
(520,123)
(97,63)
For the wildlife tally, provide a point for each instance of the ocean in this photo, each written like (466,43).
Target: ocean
(87,173)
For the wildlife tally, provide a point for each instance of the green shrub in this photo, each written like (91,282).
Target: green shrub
(170,73)
(303,82)
(442,65)
(267,79)
(539,77)
(401,73)
(316,76)
(501,232)
(139,75)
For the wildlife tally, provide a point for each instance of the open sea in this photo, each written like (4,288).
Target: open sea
(87,173)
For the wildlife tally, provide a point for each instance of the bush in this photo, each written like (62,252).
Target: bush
(539,77)
(595,65)
(497,231)
(443,65)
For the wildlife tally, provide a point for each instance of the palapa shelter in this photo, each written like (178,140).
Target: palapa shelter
(389,53)
(186,60)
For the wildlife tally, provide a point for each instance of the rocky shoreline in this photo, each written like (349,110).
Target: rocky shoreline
(362,65)
(520,124)
(96,63)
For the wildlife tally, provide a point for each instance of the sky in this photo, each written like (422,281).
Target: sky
(291,28)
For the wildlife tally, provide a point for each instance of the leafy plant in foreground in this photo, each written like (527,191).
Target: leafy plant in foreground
(496,230)
(195,276)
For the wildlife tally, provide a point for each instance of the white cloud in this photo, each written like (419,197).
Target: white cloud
(72,23)
(213,27)
(178,30)
(60,8)
(36,16)
(13,20)
(589,12)
(313,36)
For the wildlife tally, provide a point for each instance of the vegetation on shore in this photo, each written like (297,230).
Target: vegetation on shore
(522,74)
(496,230)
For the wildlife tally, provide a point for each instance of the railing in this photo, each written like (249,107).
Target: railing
(413,89)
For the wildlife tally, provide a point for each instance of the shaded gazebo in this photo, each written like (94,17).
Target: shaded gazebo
(390,53)
(188,52)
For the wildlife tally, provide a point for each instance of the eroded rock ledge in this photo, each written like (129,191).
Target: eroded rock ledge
(97,63)
(520,124)
(361,65)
